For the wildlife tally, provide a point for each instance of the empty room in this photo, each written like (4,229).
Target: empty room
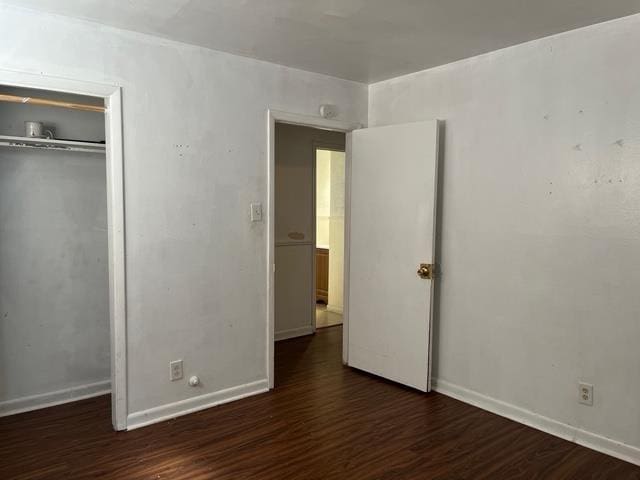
(329,239)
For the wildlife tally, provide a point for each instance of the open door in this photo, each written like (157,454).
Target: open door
(392,231)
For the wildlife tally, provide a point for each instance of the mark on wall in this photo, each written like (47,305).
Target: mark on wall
(181,147)
(619,143)
(578,147)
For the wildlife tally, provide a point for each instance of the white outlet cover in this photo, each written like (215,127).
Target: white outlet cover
(585,393)
(175,370)
(256,212)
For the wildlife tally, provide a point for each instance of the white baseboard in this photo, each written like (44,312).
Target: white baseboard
(334,309)
(51,399)
(194,404)
(294,332)
(568,432)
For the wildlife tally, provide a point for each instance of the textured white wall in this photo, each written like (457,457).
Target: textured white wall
(195,153)
(54,292)
(540,228)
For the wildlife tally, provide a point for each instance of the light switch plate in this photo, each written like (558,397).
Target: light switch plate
(256,212)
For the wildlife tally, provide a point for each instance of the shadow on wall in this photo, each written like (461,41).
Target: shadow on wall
(438,249)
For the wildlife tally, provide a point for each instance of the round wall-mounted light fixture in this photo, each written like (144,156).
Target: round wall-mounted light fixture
(328,111)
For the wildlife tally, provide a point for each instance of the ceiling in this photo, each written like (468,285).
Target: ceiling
(362,40)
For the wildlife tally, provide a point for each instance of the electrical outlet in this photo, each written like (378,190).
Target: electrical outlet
(256,212)
(175,370)
(585,393)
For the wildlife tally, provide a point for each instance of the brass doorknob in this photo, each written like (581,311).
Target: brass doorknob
(425,271)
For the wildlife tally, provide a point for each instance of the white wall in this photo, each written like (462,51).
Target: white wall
(195,153)
(540,227)
(54,308)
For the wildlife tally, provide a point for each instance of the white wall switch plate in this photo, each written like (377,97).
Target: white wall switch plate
(175,370)
(585,393)
(256,212)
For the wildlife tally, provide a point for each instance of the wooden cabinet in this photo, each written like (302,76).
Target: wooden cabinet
(322,275)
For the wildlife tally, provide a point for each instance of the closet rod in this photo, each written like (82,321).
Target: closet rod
(51,103)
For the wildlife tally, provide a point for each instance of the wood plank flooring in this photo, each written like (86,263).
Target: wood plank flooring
(323,421)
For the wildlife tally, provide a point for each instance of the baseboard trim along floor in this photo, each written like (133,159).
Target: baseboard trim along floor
(294,332)
(195,404)
(51,399)
(548,425)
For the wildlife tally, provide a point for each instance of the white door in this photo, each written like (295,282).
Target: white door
(392,229)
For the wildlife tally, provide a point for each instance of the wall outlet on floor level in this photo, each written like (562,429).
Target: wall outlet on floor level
(585,393)
(175,370)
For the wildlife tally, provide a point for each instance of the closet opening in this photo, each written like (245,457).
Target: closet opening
(55,251)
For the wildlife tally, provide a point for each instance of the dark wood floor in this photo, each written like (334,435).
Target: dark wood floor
(323,421)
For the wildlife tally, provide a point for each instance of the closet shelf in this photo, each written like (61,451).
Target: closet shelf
(51,144)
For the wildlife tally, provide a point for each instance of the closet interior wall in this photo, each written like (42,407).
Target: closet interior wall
(54,292)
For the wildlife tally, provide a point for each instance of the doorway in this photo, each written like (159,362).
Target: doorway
(303,160)
(389,248)
(333,138)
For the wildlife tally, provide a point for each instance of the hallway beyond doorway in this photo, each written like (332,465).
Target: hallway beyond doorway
(326,318)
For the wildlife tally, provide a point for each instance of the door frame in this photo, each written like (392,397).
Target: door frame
(278,116)
(112,96)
